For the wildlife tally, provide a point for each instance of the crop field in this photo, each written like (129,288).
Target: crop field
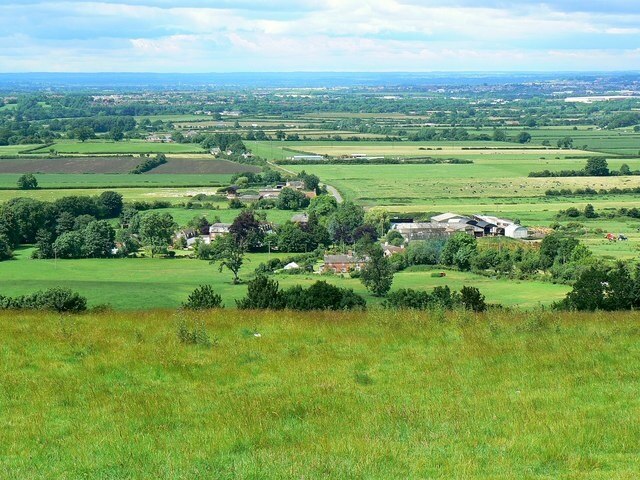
(329,395)
(205,166)
(160,283)
(282,150)
(121,164)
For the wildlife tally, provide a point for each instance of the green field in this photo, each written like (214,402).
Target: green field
(112,180)
(329,395)
(124,147)
(158,282)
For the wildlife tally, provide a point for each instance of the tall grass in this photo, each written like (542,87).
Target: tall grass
(324,395)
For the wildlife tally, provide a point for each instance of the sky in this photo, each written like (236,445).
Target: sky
(184,36)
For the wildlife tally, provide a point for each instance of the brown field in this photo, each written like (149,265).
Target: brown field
(203,166)
(122,164)
(69,165)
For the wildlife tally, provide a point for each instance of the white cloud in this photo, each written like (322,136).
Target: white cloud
(334,35)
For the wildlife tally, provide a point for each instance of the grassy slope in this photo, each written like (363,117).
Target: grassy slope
(320,396)
(153,283)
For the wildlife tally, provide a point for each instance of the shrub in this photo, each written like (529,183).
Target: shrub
(203,298)
(472,299)
(262,293)
(196,335)
(56,299)
(407,298)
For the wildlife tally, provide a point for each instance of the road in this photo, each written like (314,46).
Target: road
(332,190)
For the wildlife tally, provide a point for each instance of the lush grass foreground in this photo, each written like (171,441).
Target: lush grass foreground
(329,395)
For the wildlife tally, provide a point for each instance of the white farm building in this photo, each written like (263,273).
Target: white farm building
(516,231)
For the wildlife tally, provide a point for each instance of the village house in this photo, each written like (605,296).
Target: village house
(218,229)
(160,138)
(390,250)
(342,263)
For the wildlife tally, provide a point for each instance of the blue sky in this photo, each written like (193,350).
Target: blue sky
(330,35)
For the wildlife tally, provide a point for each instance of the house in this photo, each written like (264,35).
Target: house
(300,218)
(218,229)
(158,138)
(342,263)
(516,231)
(187,233)
(201,238)
(391,250)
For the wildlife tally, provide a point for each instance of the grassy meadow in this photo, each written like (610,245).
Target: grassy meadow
(333,395)
(142,283)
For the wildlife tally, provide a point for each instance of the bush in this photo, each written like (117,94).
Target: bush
(196,335)
(203,298)
(407,298)
(56,299)
(472,299)
(262,293)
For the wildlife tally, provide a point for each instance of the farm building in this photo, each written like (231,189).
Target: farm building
(516,231)
(481,228)
(295,184)
(313,158)
(342,263)
(291,266)
(448,217)
(218,229)
(422,230)
(270,192)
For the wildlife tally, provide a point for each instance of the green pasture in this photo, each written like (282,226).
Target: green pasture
(375,395)
(482,181)
(125,147)
(149,193)
(11,150)
(159,282)
(114,180)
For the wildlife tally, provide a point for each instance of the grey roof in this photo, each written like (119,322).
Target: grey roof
(340,259)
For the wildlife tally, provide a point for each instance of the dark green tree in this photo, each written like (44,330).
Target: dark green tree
(27,181)
(203,298)
(377,274)
(597,167)
(228,253)
(262,293)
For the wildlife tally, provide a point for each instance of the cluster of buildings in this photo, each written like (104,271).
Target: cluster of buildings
(160,138)
(270,192)
(447,224)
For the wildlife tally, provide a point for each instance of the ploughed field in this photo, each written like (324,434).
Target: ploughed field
(320,395)
(121,164)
